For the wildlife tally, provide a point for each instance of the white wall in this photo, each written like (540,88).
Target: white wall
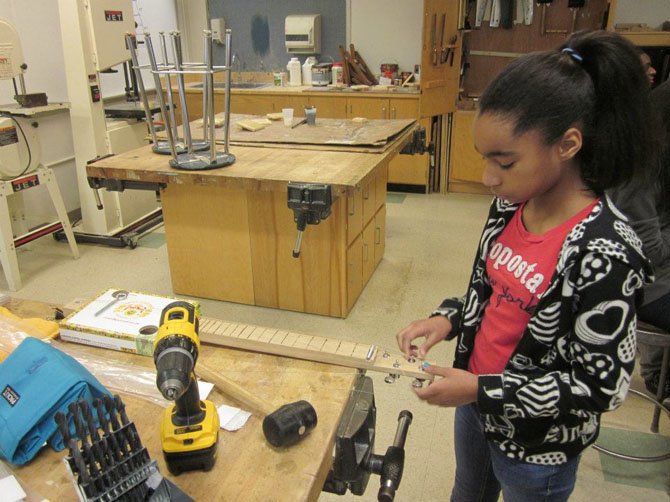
(651,12)
(386,31)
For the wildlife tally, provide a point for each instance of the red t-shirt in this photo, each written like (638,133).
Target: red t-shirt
(520,266)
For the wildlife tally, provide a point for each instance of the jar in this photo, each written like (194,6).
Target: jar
(338,77)
(307,70)
(321,74)
(294,70)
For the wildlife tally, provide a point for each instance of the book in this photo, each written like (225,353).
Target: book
(119,320)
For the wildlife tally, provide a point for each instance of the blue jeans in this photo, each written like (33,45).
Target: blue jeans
(482,470)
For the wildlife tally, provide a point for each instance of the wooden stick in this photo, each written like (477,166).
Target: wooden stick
(309,347)
(233,390)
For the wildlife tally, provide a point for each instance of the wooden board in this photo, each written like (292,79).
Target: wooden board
(255,168)
(312,348)
(373,135)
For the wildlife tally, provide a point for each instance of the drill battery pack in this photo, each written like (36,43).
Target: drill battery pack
(190,447)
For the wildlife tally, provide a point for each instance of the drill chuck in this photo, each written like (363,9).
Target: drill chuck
(173,369)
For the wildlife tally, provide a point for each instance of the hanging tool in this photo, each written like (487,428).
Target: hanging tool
(443,26)
(543,19)
(433,38)
(574,6)
(507,14)
(189,429)
(310,203)
(480,11)
(495,14)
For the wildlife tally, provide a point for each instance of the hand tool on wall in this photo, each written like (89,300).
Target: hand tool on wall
(480,12)
(495,14)
(543,18)
(443,26)
(354,460)
(574,6)
(310,203)
(433,39)
(190,427)
(507,14)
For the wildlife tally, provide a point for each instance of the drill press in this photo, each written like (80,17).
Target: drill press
(189,429)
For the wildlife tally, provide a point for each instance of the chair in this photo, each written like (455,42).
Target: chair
(655,337)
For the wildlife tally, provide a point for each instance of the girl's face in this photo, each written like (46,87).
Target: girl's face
(518,168)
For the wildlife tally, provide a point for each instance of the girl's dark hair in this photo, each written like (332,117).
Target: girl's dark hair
(596,82)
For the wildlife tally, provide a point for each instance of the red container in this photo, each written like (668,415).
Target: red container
(389,70)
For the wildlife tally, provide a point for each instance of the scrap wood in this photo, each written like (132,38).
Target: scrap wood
(361,63)
(346,76)
(355,71)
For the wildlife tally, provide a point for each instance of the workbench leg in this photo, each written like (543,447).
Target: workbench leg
(10,263)
(52,185)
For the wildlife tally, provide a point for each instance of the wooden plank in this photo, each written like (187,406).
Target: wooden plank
(321,349)
(254,168)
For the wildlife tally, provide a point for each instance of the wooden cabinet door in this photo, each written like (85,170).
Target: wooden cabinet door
(369,199)
(380,234)
(354,214)
(329,107)
(371,108)
(253,104)
(354,271)
(403,108)
(368,253)
(466,165)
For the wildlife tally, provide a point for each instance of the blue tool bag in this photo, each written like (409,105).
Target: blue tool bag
(36,381)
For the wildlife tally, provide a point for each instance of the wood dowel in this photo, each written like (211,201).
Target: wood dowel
(233,390)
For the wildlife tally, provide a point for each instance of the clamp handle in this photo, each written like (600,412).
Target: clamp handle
(394,460)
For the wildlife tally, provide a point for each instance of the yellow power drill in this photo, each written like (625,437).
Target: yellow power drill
(190,427)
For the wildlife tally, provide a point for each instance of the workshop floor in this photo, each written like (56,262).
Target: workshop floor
(430,245)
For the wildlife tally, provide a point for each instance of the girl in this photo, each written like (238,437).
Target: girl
(546,330)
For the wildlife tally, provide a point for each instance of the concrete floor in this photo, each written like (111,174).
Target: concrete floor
(430,246)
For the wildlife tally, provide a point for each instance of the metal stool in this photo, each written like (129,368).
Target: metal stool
(656,337)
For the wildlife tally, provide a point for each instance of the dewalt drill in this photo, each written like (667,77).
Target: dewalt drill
(189,429)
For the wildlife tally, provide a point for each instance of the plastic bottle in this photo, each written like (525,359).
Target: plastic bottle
(337,73)
(293,68)
(307,70)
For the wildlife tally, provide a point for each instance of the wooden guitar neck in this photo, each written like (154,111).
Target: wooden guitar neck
(311,348)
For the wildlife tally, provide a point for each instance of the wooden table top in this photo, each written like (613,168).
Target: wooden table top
(263,167)
(247,467)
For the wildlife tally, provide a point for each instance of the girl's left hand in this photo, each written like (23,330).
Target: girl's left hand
(455,388)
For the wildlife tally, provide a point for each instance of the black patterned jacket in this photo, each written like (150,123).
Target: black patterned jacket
(576,356)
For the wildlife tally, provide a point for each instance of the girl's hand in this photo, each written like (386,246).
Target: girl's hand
(434,329)
(457,387)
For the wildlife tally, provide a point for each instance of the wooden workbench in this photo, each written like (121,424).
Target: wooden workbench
(230,233)
(247,467)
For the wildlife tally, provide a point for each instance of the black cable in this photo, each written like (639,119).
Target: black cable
(25,139)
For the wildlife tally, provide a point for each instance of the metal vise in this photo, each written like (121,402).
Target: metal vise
(354,459)
(311,203)
(417,145)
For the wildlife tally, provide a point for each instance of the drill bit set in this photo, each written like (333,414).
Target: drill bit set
(110,463)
